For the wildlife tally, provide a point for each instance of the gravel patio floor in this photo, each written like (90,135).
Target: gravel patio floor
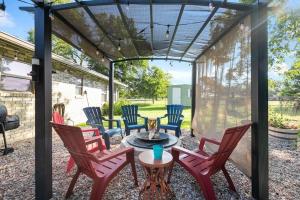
(17,175)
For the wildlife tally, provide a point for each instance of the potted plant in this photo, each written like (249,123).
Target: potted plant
(282,128)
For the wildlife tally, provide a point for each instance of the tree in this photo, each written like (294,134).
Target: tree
(291,83)
(285,37)
(154,83)
(60,47)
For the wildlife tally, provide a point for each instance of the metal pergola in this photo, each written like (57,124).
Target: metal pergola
(123,30)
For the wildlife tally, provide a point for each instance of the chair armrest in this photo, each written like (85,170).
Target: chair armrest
(95,139)
(91,140)
(118,122)
(95,130)
(166,115)
(204,139)
(177,150)
(115,154)
(142,116)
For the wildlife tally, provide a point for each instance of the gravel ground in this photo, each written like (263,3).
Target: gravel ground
(17,175)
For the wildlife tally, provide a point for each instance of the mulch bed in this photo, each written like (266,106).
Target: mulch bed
(17,175)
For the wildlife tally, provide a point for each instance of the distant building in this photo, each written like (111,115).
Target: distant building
(180,94)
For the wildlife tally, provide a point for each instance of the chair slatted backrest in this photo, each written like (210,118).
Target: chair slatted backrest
(57,118)
(174,112)
(60,108)
(94,117)
(73,140)
(130,112)
(230,139)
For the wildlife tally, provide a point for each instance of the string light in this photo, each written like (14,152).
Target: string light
(97,52)
(16,57)
(2,9)
(102,59)
(51,16)
(119,45)
(127,6)
(211,6)
(242,26)
(168,32)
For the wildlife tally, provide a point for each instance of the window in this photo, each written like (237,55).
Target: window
(104,97)
(79,86)
(14,75)
(189,93)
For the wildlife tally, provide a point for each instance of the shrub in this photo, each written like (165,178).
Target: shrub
(117,107)
(277,121)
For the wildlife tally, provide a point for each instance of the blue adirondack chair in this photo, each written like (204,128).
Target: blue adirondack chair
(95,119)
(130,116)
(175,117)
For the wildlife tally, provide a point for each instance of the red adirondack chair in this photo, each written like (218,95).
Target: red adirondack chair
(58,119)
(201,165)
(101,166)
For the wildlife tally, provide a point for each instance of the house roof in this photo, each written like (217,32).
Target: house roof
(13,46)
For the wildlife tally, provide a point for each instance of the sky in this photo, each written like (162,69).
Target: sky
(18,23)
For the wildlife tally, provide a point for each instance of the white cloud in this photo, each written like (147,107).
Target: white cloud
(6,21)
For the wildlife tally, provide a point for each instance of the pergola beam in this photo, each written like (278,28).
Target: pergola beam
(126,25)
(111,94)
(217,3)
(86,8)
(60,17)
(236,22)
(259,103)
(175,29)
(148,58)
(151,25)
(42,76)
(200,30)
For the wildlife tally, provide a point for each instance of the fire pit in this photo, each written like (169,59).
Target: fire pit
(142,141)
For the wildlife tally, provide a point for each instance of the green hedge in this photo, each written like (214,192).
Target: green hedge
(117,107)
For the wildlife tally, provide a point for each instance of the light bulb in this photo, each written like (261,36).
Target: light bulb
(16,57)
(97,53)
(127,6)
(211,6)
(51,16)
(168,32)
(119,45)
(102,59)
(242,26)
(2,9)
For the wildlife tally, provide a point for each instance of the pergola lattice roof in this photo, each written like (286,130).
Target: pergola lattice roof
(173,29)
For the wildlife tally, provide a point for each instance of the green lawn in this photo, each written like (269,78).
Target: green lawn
(286,109)
(158,109)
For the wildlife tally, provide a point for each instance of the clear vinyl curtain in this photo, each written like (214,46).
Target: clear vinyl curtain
(223,93)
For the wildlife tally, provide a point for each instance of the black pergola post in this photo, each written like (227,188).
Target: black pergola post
(42,72)
(259,102)
(111,93)
(193,94)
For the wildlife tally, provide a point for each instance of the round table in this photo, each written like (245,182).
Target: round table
(155,185)
(138,150)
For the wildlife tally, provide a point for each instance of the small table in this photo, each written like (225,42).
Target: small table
(155,186)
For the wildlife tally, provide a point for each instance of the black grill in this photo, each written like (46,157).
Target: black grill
(7,122)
